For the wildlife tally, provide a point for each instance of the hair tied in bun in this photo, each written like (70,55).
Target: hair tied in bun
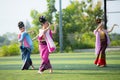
(42,19)
(20,24)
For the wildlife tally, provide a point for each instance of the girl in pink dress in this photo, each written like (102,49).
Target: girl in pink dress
(46,44)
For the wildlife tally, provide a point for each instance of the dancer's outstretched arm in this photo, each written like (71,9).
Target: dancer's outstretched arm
(112,28)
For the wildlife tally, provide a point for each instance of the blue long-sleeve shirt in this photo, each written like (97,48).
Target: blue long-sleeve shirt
(25,39)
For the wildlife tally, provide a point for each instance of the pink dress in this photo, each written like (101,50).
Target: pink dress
(45,48)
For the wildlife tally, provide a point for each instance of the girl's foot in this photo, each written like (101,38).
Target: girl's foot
(97,65)
(39,72)
(102,65)
(33,67)
(51,71)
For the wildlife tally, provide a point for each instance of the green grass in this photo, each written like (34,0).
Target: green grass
(67,66)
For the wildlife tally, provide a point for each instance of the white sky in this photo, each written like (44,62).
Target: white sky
(13,11)
(113,6)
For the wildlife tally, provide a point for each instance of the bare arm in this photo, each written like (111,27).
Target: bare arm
(35,37)
(54,31)
(45,30)
(30,31)
(112,28)
(100,25)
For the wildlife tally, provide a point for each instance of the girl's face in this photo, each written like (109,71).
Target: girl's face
(46,24)
(22,29)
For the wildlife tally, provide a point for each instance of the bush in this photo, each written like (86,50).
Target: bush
(115,39)
(82,41)
(115,43)
(12,49)
(35,47)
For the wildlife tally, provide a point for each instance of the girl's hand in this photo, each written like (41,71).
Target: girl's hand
(116,25)
(55,28)
(112,28)
(55,25)
(32,32)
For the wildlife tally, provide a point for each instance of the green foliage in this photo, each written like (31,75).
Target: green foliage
(80,16)
(4,41)
(115,43)
(36,47)
(79,20)
(115,39)
(51,6)
(51,9)
(82,41)
(8,38)
(10,50)
(35,16)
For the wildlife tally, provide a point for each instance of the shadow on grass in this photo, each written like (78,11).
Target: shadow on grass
(84,67)
(87,73)
(65,67)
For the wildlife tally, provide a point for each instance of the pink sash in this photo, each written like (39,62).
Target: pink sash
(48,38)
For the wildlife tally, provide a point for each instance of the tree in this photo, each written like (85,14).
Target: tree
(4,40)
(51,10)
(79,18)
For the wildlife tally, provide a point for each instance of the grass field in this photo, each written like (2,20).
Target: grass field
(67,66)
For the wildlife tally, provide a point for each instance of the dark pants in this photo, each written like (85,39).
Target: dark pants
(27,62)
